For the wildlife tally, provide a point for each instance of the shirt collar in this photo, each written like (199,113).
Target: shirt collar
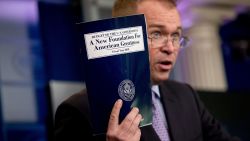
(156,90)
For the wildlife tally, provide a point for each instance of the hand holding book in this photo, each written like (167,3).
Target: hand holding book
(128,129)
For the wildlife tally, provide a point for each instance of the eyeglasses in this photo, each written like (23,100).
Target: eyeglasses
(158,40)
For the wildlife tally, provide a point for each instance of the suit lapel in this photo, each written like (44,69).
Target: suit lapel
(173,113)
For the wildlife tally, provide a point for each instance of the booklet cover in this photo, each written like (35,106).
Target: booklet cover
(116,66)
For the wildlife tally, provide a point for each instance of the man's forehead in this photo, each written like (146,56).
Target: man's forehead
(163,19)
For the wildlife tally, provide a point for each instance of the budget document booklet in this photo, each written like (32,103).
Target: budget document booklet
(116,66)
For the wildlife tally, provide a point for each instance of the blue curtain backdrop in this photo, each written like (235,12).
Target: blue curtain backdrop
(236,52)
(54,54)
(61,40)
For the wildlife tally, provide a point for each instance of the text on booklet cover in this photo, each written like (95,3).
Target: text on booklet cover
(114,42)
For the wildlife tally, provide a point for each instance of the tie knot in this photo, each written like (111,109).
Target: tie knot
(155,97)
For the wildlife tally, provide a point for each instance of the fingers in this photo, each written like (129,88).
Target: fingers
(135,125)
(114,116)
(137,135)
(127,122)
(130,125)
(128,129)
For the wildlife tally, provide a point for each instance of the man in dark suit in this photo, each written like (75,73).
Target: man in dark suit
(179,115)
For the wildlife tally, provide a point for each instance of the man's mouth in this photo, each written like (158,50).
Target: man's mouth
(165,65)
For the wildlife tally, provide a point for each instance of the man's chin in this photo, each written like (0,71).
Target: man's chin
(159,79)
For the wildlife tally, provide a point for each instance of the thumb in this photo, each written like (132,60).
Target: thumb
(114,116)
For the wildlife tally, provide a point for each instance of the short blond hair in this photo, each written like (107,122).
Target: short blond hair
(128,7)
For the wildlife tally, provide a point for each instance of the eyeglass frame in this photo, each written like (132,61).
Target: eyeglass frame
(182,41)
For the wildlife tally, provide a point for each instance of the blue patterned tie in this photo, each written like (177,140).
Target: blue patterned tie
(158,123)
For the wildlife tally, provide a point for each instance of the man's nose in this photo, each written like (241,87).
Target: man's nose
(168,47)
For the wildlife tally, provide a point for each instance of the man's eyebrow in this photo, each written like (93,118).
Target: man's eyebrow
(156,25)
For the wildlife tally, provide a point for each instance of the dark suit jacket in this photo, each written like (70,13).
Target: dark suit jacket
(186,115)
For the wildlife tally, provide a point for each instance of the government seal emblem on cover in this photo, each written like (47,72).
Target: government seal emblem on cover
(126,90)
